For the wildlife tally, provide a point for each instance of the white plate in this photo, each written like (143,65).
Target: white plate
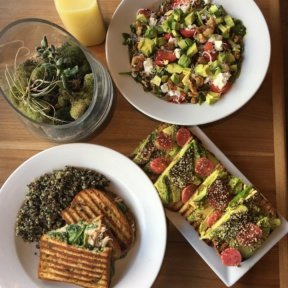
(229,275)
(18,264)
(254,68)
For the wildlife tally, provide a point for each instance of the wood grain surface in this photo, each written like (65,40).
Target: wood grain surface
(253,138)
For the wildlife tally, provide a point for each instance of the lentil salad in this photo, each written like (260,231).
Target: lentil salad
(188,51)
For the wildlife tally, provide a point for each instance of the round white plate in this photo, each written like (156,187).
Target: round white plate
(18,262)
(254,68)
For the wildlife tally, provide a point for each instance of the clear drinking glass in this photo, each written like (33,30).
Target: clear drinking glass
(28,33)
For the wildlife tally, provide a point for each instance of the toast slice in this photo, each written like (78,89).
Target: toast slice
(79,254)
(161,145)
(189,168)
(90,203)
(247,222)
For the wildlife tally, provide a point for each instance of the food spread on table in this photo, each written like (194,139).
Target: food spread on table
(228,214)
(186,51)
(82,227)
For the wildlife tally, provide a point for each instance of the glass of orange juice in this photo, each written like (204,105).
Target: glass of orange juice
(83,19)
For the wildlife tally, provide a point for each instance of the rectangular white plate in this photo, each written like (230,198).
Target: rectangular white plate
(229,275)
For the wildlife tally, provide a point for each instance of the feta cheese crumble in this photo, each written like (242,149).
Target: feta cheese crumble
(221,79)
(148,66)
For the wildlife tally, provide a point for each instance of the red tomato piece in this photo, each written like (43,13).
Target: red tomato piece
(187,192)
(249,235)
(222,90)
(177,3)
(167,36)
(158,165)
(204,166)
(164,55)
(145,12)
(212,218)
(210,56)
(164,141)
(188,33)
(231,257)
(182,136)
(208,46)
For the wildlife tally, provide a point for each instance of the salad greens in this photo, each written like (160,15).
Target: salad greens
(188,51)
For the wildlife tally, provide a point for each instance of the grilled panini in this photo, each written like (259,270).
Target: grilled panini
(90,203)
(78,253)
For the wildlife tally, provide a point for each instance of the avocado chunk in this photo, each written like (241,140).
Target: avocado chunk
(156,80)
(225,30)
(192,50)
(213,9)
(202,70)
(175,78)
(146,46)
(229,21)
(190,18)
(184,61)
(185,43)
(174,68)
(212,97)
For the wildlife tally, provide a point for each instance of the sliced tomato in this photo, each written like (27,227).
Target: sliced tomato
(164,141)
(164,55)
(158,165)
(216,89)
(178,99)
(208,46)
(182,136)
(249,235)
(145,12)
(231,257)
(203,166)
(212,218)
(187,192)
(167,36)
(177,3)
(188,33)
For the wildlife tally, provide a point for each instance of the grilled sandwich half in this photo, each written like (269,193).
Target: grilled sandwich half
(90,203)
(79,253)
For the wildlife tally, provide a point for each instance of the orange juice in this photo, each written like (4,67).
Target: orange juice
(83,19)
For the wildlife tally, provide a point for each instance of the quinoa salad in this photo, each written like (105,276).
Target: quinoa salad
(187,51)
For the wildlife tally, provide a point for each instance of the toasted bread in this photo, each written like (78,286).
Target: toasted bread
(71,264)
(90,203)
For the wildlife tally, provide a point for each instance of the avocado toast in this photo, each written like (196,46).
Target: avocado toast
(211,198)
(159,148)
(185,173)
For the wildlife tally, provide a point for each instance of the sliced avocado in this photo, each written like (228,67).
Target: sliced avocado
(143,152)
(163,188)
(174,68)
(156,80)
(241,209)
(246,251)
(184,61)
(238,199)
(201,192)
(199,215)
(186,79)
(236,184)
(146,46)
(202,70)
(192,50)
(190,18)
(212,97)
(229,21)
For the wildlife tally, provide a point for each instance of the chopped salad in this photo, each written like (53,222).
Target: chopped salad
(188,51)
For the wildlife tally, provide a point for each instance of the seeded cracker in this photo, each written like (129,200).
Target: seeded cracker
(48,195)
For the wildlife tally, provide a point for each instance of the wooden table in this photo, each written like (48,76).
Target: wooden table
(253,138)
